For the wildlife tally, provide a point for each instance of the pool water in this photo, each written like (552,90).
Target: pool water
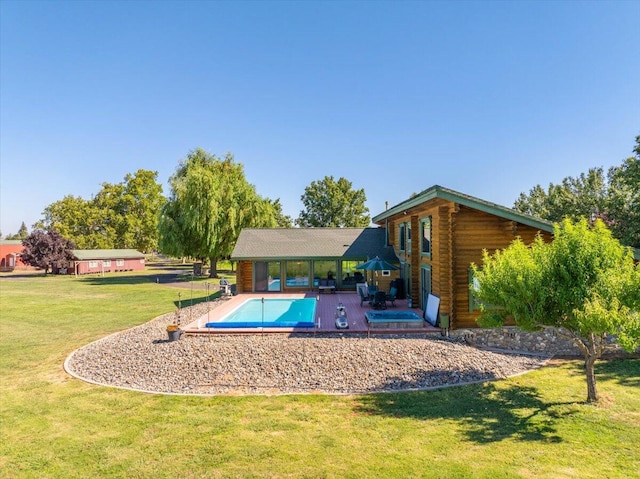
(272,313)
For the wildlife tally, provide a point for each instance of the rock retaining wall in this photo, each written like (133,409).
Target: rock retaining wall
(515,339)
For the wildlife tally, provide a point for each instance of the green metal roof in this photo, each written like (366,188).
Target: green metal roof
(441,192)
(312,243)
(91,254)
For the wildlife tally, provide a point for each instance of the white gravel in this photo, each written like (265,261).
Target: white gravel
(143,359)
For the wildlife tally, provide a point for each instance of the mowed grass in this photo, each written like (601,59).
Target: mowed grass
(531,426)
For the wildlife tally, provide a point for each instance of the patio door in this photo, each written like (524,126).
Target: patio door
(266,276)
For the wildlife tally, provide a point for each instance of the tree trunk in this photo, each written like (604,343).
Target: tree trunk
(213,271)
(589,366)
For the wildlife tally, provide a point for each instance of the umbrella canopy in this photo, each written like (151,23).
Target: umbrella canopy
(376,264)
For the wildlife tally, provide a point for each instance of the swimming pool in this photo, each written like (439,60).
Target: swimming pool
(273,313)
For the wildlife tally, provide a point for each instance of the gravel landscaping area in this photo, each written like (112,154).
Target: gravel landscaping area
(141,358)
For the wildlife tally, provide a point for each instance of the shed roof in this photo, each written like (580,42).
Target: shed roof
(312,243)
(90,254)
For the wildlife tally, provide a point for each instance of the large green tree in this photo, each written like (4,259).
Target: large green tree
(79,220)
(210,202)
(614,198)
(330,203)
(131,210)
(583,283)
(122,215)
(623,205)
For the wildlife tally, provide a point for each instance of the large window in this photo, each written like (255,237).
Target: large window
(323,270)
(297,274)
(350,275)
(425,236)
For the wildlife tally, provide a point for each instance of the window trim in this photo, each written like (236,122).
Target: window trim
(423,221)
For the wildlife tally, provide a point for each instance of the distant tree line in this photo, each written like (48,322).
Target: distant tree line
(613,198)
(210,202)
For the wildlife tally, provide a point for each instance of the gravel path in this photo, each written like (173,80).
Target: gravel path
(141,358)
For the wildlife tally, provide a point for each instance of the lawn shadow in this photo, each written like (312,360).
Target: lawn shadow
(126,279)
(485,413)
(625,372)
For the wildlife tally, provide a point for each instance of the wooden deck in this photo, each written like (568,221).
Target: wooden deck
(325,316)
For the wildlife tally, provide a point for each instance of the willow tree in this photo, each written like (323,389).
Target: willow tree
(209,204)
(584,284)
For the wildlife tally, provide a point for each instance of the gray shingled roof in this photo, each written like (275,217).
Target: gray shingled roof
(312,243)
(90,254)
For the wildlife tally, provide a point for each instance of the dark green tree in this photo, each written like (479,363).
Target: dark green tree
(22,233)
(623,201)
(614,198)
(47,250)
(210,202)
(282,220)
(583,283)
(330,203)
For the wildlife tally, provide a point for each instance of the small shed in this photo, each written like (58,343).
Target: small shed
(91,261)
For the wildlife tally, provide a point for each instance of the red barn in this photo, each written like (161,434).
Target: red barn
(10,251)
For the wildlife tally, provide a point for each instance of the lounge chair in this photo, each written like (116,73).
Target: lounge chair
(391,295)
(379,300)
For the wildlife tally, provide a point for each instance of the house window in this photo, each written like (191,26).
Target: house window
(350,275)
(119,262)
(323,270)
(93,264)
(297,274)
(408,228)
(403,239)
(425,236)
(106,263)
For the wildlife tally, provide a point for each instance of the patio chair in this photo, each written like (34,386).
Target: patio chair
(391,295)
(364,293)
(379,300)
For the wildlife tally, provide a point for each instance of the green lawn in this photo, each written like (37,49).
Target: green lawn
(533,426)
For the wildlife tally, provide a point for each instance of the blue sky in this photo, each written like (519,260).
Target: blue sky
(487,98)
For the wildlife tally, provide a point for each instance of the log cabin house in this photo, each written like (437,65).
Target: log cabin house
(433,237)
(439,233)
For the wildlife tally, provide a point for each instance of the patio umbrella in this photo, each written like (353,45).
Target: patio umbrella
(376,264)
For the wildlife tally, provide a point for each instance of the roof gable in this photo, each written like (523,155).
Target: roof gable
(441,192)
